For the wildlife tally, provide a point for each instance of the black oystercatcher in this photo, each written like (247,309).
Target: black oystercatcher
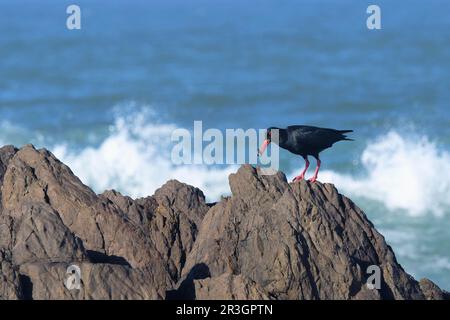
(304,141)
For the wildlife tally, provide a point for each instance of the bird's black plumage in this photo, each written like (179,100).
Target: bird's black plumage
(307,140)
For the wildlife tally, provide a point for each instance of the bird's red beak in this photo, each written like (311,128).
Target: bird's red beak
(264,146)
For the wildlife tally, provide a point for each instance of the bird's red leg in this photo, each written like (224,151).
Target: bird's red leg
(314,178)
(302,175)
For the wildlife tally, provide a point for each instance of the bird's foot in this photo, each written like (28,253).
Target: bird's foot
(313,179)
(298,178)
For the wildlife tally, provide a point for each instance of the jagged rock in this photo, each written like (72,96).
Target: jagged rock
(41,236)
(10,287)
(431,291)
(297,241)
(49,216)
(228,287)
(6,153)
(177,218)
(98,281)
(37,178)
(170,219)
(269,240)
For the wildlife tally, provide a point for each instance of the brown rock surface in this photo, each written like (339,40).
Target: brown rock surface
(228,287)
(269,240)
(297,241)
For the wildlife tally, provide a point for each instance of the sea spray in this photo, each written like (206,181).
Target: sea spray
(135,159)
(404,173)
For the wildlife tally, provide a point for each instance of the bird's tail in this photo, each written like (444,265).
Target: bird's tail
(345,131)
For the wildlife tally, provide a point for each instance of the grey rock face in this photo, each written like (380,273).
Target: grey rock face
(229,287)
(269,240)
(6,153)
(98,281)
(10,286)
(50,220)
(297,241)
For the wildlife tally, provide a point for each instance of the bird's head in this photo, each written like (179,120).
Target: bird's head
(272,131)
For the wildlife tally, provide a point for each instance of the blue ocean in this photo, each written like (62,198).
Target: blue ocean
(106,98)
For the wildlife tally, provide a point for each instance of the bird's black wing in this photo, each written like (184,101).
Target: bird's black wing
(315,138)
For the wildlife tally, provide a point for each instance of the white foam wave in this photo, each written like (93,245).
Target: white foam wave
(404,173)
(135,160)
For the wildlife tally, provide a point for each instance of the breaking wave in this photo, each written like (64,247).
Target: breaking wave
(135,159)
(404,173)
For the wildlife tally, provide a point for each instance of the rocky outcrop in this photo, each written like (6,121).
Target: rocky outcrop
(269,240)
(50,220)
(297,241)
